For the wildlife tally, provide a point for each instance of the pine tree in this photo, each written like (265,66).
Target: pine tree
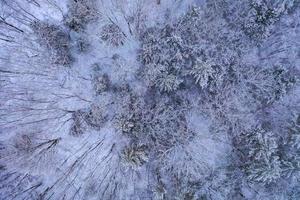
(204,72)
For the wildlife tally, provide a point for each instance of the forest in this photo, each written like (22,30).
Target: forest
(149,100)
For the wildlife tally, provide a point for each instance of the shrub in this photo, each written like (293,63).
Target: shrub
(81,12)
(23,143)
(77,126)
(129,121)
(130,125)
(134,156)
(166,125)
(55,39)
(101,83)
(95,116)
(112,34)
(82,44)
